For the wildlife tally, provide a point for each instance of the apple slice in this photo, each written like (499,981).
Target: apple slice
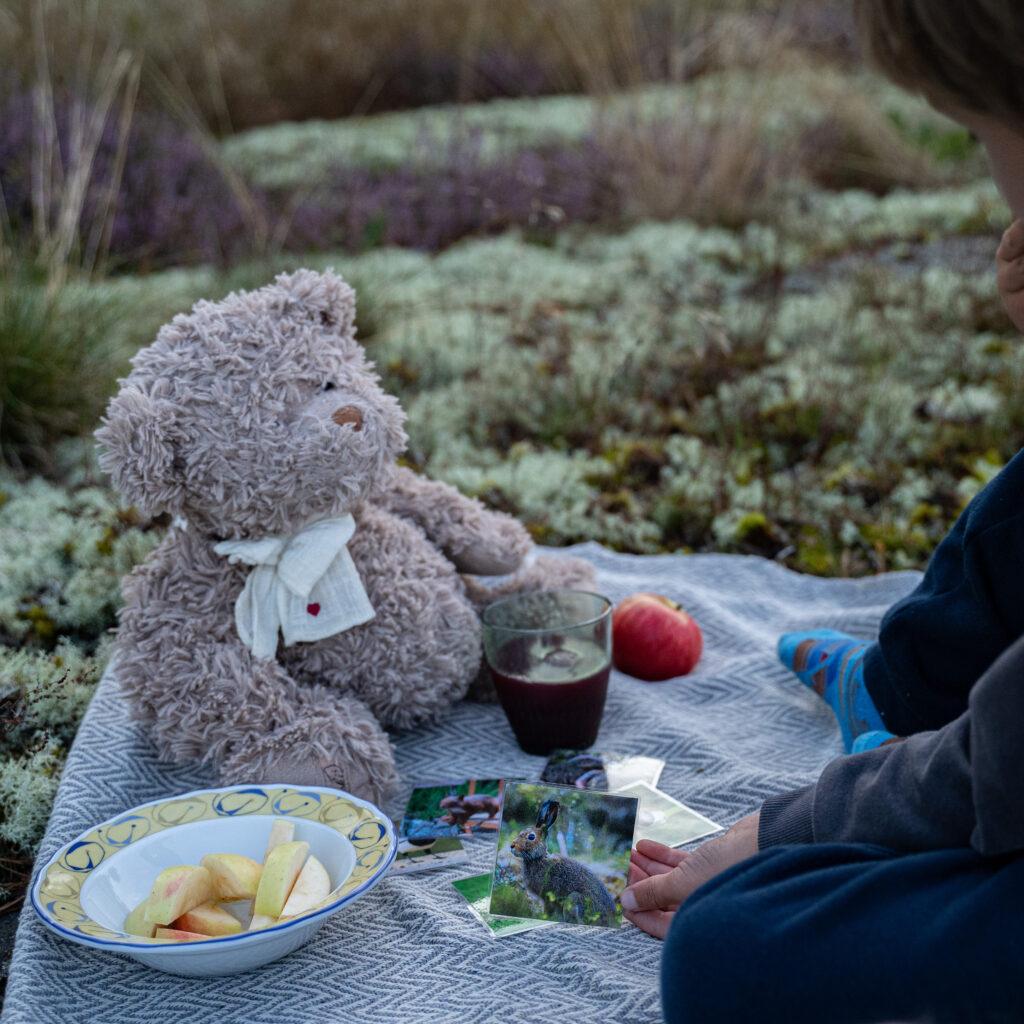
(235,876)
(279,873)
(136,924)
(280,832)
(311,888)
(261,921)
(179,936)
(176,891)
(208,919)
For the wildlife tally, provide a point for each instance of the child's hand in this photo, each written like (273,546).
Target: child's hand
(661,879)
(1010,272)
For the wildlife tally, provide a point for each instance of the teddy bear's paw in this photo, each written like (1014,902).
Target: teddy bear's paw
(543,573)
(497,546)
(561,573)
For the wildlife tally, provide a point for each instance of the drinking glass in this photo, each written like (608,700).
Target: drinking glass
(549,654)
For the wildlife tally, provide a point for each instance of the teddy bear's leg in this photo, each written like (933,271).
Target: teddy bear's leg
(476,539)
(426,649)
(418,654)
(213,701)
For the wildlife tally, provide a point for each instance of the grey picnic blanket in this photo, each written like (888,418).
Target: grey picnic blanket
(738,729)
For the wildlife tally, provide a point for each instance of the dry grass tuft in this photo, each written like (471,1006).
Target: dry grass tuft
(105,80)
(350,57)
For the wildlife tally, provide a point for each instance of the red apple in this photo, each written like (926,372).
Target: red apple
(653,638)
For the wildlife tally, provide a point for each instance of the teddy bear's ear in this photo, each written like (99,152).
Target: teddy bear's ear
(325,295)
(136,450)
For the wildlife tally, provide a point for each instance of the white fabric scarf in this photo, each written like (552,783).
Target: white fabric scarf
(306,586)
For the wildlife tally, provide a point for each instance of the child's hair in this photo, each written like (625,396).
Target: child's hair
(965,53)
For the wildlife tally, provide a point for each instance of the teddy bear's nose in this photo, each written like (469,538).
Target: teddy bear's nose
(348,414)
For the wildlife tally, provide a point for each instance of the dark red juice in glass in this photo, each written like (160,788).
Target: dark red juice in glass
(549,655)
(550,716)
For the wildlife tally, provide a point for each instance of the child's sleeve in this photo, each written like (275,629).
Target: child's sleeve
(957,786)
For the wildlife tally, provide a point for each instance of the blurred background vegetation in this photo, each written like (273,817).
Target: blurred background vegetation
(662,274)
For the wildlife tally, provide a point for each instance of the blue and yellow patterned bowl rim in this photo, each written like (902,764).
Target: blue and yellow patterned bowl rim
(56,891)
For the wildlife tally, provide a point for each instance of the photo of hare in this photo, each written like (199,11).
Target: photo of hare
(453,809)
(563,854)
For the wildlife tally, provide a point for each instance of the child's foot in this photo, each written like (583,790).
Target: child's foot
(870,740)
(832,664)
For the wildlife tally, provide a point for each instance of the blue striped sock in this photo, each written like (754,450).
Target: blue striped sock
(870,740)
(832,664)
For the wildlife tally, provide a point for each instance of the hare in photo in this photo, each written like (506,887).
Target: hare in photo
(570,890)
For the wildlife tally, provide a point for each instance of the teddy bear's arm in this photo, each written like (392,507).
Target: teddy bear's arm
(476,539)
(211,700)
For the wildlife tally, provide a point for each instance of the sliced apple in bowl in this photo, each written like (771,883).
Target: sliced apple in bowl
(282,831)
(184,904)
(177,935)
(176,891)
(282,868)
(209,919)
(136,924)
(235,876)
(311,888)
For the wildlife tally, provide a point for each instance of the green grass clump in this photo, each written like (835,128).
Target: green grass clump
(58,364)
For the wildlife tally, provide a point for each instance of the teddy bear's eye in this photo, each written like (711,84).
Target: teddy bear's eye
(330,385)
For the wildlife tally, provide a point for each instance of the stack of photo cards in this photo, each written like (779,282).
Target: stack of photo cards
(563,854)
(563,845)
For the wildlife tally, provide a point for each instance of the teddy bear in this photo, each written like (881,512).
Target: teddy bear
(311,593)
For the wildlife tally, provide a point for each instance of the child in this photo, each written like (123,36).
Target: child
(893,888)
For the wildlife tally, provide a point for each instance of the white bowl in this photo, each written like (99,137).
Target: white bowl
(85,890)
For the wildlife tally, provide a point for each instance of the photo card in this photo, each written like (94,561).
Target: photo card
(453,809)
(423,854)
(602,772)
(476,891)
(563,854)
(664,819)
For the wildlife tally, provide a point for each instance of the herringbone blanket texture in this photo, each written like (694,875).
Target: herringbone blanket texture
(740,728)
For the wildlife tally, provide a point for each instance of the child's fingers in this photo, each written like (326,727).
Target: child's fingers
(660,852)
(1010,275)
(1011,246)
(657,892)
(654,922)
(636,873)
(650,867)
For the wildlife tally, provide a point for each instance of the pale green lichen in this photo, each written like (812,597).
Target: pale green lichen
(789,99)
(63,553)
(28,785)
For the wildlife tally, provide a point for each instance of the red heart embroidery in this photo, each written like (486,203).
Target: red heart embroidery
(313,609)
